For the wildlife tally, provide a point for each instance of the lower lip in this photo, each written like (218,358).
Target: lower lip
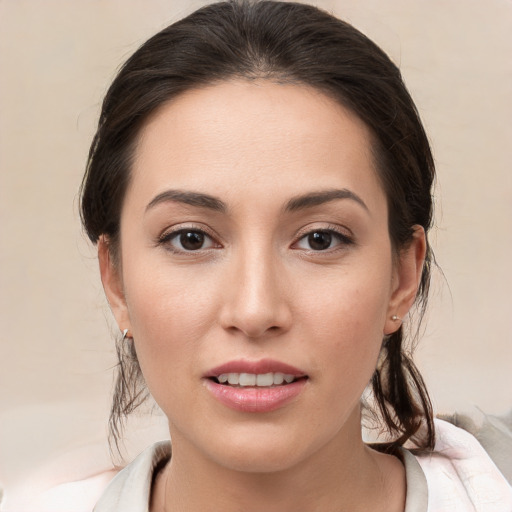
(255,399)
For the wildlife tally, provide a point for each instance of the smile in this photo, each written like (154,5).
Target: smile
(255,386)
(252,379)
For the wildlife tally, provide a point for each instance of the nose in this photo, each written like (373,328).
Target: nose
(256,301)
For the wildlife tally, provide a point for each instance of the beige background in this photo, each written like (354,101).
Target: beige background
(57,58)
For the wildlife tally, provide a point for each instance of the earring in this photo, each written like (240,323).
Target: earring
(125,334)
(395,318)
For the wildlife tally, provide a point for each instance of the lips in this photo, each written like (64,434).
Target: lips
(255,386)
(260,367)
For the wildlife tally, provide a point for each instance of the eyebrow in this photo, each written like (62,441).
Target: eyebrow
(295,204)
(191,198)
(324,196)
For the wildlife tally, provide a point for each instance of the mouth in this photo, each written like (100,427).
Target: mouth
(255,386)
(263,373)
(260,380)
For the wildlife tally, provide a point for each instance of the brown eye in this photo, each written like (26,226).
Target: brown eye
(187,240)
(192,240)
(320,240)
(323,239)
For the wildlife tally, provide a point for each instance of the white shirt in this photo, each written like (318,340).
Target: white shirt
(459,476)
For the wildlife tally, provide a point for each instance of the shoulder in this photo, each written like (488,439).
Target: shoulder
(461,474)
(130,490)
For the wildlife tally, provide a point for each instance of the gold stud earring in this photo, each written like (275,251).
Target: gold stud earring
(125,334)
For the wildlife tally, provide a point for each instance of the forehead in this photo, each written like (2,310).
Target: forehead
(269,136)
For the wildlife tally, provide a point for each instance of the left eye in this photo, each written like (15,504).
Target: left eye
(321,240)
(188,240)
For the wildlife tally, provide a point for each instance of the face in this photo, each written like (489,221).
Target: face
(255,248)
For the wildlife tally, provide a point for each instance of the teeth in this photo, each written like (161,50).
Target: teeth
(264,379)
(278,378)
(247,379)
(251,379)
(233,378)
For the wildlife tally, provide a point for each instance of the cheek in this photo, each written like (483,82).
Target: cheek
(346,321)
(171,312)
(350,307)
(164,299)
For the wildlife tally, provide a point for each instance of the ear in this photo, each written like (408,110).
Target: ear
(111,278)
(406,280)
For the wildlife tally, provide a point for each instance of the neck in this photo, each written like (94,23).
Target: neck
(344,475)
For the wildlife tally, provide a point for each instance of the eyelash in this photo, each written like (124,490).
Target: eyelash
(166,238)
(344,240)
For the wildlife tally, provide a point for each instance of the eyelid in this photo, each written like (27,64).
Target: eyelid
(342,231)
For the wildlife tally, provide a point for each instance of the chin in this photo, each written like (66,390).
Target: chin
(263,452)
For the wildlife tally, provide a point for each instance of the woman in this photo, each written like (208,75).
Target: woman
(259,188)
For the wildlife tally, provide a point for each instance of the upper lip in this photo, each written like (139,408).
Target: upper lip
(256,367)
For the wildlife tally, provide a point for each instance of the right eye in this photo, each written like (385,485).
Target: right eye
(187,240)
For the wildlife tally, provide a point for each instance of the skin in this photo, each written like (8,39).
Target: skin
(258,289)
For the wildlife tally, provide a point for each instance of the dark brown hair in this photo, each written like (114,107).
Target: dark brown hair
(289,43)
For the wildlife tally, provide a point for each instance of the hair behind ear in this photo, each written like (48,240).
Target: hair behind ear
(402,397)
(130,392)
